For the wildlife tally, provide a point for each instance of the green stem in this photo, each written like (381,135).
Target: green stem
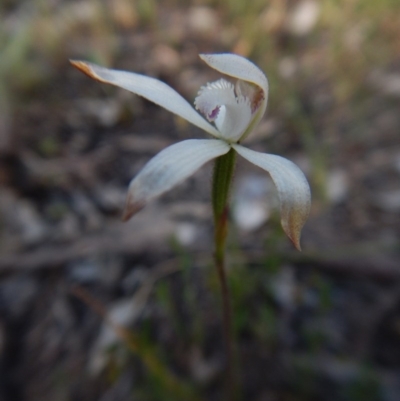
(223,173)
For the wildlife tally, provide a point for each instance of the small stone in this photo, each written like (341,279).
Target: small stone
(386,83)
(273,17)
(84,272)
(250,214)
(337,186)
(186,233)
(203,370)
(30,224)
(106,270)
(283,286)
(105,111)
(125,14)
(388,201)
(253,200)
(166,58)
(202,20)
(122,313)
(303,17)
(287,67)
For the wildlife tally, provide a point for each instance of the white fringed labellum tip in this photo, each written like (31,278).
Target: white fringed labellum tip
(231,112)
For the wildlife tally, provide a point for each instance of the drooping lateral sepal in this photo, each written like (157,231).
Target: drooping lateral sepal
(169,168)
(293,189)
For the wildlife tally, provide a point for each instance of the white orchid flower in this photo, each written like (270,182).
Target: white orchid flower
(234,111)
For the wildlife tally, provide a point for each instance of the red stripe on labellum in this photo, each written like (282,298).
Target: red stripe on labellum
(213,115)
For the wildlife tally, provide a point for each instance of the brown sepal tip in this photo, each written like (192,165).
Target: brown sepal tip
(297,245)
(86,68)
(294,238)
(131,209)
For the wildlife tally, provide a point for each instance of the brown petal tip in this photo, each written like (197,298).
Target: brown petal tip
(296,243)
(86,68)
(131,208)
(293,233)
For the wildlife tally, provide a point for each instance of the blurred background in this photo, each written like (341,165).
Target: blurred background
(95,309)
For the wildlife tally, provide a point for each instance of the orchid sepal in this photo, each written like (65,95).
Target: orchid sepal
(150,88)
(292,186)
(169,168)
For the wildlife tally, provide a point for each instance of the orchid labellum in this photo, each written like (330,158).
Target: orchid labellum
(231,112)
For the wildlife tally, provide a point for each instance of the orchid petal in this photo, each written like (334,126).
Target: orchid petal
(150,88)
(293,189)
(231,114)
(237,67)
(169,168)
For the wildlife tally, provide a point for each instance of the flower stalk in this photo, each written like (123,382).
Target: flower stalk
(222,179)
